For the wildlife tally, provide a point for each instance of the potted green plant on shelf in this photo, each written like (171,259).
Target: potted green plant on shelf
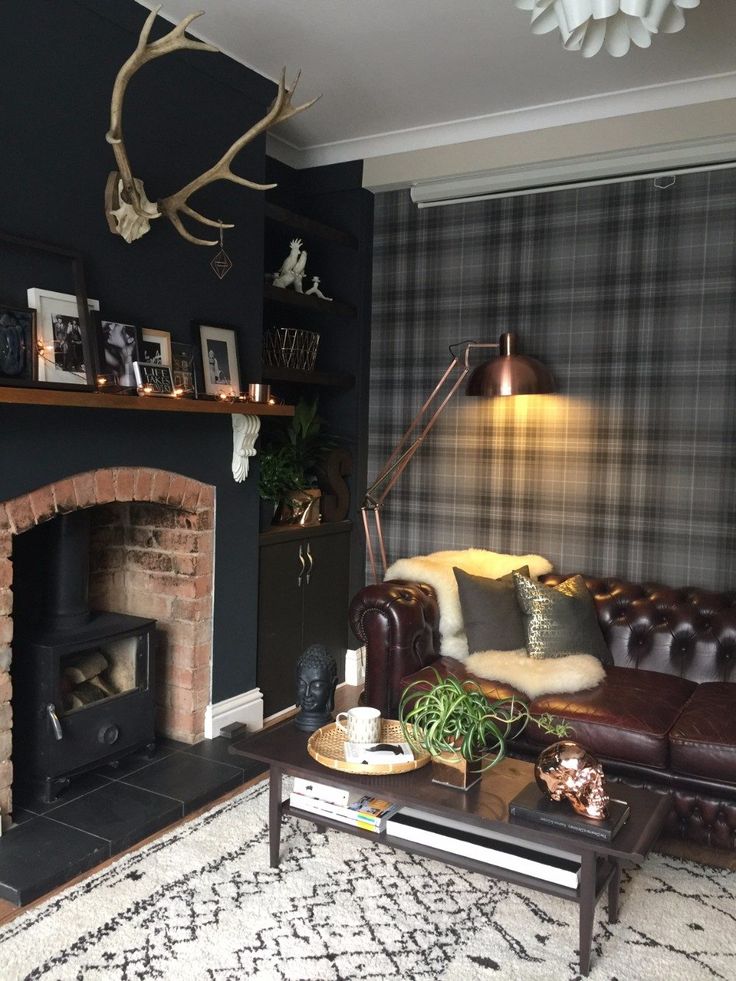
(290,464)
(463,731)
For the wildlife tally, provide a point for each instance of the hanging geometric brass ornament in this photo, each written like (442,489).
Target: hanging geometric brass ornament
(221,263)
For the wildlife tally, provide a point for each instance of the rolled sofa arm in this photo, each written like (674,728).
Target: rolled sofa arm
(399,624)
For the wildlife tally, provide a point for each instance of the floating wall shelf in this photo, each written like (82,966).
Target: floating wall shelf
(294,376)
(294,299)
(308,226)
(147,403)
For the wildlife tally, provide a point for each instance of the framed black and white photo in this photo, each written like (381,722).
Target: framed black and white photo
(220,359)
(64,347)
(153,379)
(118,347)
(18,355)
(183,368)
(155,347)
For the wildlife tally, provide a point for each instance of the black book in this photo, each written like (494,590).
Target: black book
(535,807)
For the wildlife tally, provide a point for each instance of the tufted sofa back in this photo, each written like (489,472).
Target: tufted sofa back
(690,633)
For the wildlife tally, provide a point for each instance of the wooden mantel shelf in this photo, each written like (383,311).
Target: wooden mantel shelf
(146,403)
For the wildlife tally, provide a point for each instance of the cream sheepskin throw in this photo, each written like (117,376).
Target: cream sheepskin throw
(436,571)
(534,676)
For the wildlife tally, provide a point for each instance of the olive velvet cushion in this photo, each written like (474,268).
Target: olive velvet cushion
(560,620)
(491,614)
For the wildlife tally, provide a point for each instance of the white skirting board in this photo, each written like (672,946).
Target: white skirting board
(246,708)
(355,666)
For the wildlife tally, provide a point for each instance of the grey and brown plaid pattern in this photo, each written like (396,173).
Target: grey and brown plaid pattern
(628,293)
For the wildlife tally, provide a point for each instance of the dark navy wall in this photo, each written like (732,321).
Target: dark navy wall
(56,75)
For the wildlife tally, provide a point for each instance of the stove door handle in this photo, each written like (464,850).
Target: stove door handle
(54,719)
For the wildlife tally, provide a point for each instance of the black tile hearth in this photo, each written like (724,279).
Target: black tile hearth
(104,812)
(136,761)
(119,813)
(79,786)
(40,854)
(189,779)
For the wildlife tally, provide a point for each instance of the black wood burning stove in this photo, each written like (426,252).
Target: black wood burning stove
(82,681)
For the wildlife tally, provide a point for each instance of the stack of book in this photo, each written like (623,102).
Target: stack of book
(355,809)
(491,847)
(533,806)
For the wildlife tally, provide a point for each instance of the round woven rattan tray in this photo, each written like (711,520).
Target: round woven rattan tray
(326,745)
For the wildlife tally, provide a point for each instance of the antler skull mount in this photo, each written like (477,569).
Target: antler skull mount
(129,212)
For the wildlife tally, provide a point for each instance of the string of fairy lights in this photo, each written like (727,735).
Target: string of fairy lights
(47,354)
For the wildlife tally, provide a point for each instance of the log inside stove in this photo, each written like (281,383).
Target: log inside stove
(84,680)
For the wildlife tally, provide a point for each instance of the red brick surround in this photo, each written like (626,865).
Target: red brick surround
(153,551)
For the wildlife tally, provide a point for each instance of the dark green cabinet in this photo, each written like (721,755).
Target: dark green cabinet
(303,598)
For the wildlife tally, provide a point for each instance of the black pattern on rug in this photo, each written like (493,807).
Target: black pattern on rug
(202,902)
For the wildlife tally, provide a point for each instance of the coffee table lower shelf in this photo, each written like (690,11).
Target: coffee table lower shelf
(596,872)
(605,868)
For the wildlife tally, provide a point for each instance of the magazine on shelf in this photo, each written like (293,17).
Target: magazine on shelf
(491,847)
(310,788)
(535,807)
(369,753)
(363,811)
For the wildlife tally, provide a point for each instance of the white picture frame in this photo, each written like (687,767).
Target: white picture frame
(155,339)
(220,359)
(67,360)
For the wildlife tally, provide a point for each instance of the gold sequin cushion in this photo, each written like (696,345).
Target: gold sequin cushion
(560,620)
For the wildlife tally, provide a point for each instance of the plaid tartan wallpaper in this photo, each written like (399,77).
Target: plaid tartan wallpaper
(628,293)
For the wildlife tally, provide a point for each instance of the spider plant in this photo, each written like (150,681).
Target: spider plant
(456,718)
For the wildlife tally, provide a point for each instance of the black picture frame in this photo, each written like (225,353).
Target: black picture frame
(157,377)
(18,354)
(220,359)
(118,348)
(184,368)
(20,244)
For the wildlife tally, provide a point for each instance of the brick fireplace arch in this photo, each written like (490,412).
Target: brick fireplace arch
(153,556)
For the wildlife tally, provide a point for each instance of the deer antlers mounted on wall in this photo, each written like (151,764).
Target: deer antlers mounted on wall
(129,212)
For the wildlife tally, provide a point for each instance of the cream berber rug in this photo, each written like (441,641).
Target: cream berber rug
(202,904)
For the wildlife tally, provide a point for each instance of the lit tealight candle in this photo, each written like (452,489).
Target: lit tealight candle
(147,389)
(178,392)
(101,381)
(224,396)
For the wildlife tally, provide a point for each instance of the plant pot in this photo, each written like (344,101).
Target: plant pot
(453,770)
(300,508)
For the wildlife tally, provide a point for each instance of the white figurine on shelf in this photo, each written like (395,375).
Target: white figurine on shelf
(299,271)
(314,290)
(285,276)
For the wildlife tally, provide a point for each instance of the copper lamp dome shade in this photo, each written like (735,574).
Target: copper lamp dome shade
(510,373)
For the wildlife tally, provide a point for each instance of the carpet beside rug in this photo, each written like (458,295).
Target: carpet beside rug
(202,903)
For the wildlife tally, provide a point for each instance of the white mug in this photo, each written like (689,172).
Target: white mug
(363,724)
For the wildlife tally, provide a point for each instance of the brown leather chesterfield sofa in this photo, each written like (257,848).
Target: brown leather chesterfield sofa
(665,715)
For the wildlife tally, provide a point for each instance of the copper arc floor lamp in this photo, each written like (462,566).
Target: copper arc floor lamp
(510,373)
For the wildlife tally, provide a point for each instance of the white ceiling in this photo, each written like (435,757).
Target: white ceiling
(401,74)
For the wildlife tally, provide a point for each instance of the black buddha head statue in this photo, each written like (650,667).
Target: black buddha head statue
(316,680)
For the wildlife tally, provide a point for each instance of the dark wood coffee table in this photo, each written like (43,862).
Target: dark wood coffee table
(284,749)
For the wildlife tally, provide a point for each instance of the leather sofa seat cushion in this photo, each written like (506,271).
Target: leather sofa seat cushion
(703,740)
(627,717)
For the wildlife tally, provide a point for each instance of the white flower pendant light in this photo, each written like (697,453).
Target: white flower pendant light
(589,25)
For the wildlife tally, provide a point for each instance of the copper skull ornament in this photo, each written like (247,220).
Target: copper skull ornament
(566,770)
